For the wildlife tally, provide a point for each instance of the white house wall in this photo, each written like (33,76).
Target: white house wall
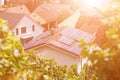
(27,22)
(60,57)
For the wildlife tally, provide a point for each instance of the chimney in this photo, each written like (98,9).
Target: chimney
(52,31)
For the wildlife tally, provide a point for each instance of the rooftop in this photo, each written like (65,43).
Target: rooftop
(12,18)
(50,12)
(66,39)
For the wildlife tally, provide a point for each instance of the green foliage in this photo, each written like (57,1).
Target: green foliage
(105,59)
(113,9)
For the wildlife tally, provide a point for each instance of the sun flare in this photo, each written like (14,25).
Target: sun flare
(92,2)
(101,4)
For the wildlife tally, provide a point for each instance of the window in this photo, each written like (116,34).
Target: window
(33,27)
(23,30)
(17,31)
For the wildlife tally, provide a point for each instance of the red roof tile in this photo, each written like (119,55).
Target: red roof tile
(50,12)
(18,9)
(12,18)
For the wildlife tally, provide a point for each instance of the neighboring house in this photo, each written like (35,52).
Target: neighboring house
(71,20)
(87,20)
(22,9)
(92,11)
(22,25)
(62,44)
(49,12)
(88,24)
(83,16)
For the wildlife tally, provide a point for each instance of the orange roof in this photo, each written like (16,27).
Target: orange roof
(50,12)
(18,9)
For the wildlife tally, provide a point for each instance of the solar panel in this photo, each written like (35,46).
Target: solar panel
(67,31)
(66,40)
(58,44)
(55,43)
(77,35)
(76,49)
(66,47)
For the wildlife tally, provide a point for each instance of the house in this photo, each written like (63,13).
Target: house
(21,9)
(83,16)
(48,12)
(90,23)
(62,44)
(23,26)
(71,20)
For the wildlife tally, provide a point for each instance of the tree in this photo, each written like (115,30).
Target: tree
(105,59)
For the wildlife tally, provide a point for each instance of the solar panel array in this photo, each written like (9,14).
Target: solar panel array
(76,34)
(69,39)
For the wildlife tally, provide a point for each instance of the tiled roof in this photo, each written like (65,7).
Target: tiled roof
(88,24)
(12,18)
(65,39)
(70,21)
(39,40)
(92,11)
(89,16)
(50,12)
(100,36)
(68,39)
(22,9)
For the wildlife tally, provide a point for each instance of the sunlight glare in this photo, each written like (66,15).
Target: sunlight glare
(92,3)
(100,4)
